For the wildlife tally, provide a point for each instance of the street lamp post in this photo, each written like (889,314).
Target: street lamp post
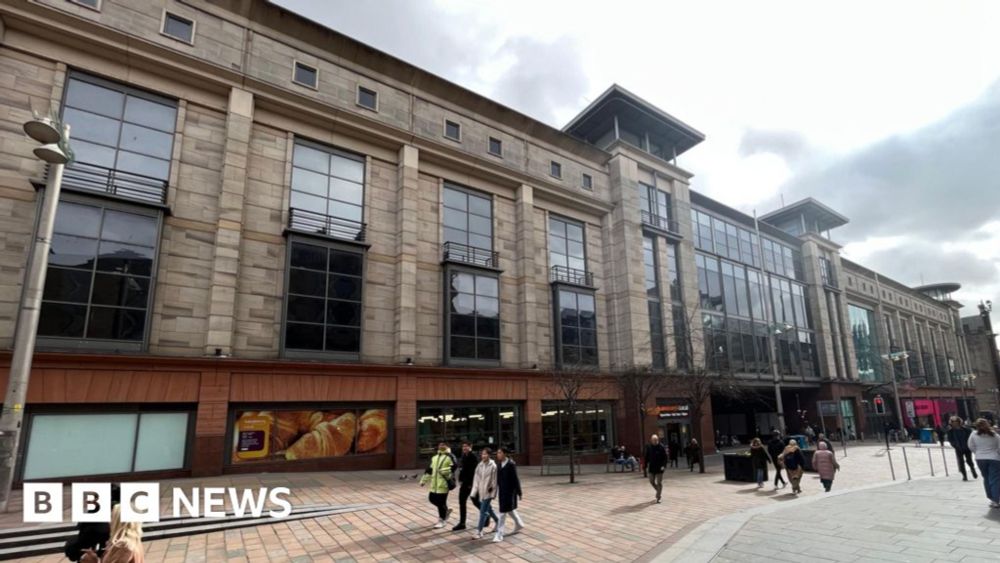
(985,308)
(893,359)
(54,151)
(967,379)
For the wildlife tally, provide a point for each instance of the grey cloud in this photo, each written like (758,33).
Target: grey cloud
(920,261)
(789,145)
(545,78)
(942,180)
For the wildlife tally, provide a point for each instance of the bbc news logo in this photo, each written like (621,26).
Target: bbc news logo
(140,502)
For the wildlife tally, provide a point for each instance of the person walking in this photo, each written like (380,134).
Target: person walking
(774,448)
(985,444)
(673,451)
(794,462)
(484,488)
(759,460)
(693,451)
(825,463)
(656,463)
(124,545)
(958,437)
(466,474)
(438,476)
(508,493)
(821,438)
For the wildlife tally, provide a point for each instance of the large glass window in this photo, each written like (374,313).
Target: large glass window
(119,128)
(566,244)
(473,316)
(323,310)
(468,218)
(73,444)
(709,284)
(866,343)
(702,227)
(653,305)
(577,336)
(592,427)
(672,273)
(655,205)
(328,188)
(98,283)
(484,426)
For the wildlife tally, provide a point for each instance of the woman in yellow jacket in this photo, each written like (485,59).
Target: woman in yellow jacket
(439,475)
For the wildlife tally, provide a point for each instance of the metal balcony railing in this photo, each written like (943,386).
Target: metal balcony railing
(312,222)
(571,275)
(455,252)
(85,176)
(661,223)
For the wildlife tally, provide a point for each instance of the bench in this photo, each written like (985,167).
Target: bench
(560,461)
(613,466)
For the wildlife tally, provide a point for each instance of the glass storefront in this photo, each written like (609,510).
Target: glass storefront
(486,425)
(74,444)
(593,427)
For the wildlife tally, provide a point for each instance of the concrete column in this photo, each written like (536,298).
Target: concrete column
(688,273)
(902,344)
(225,264)
(528,271)
(407,220)
(822,324)
(630,319)
(666,305)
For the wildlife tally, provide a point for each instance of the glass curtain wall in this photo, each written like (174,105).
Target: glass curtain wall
(866,343)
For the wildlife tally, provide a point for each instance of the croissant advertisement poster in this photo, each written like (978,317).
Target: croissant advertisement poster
(273,435)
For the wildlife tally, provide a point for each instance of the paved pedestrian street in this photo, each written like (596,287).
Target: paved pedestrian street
(612,517)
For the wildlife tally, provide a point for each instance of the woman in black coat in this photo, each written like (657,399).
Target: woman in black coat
(508,493)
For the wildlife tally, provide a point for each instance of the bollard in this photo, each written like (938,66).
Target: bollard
(891,469)
(944,461)
(907,463)
(930,460)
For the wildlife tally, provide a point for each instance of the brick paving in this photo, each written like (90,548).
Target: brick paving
(603,517)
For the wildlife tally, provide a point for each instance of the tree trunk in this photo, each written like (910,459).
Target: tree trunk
(696,415)
(572,445)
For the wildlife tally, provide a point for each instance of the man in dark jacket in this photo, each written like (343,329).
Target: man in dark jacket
(656,463)
(958,437)
(90,534)
(508,493)
(774,449)
(466,472)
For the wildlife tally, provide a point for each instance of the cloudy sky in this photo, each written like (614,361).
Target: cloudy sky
(887,111)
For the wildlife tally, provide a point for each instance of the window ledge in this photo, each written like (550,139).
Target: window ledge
(312,234)
(320,356)
(478,266)
(60,344)
(566,283)
(471,363)
(40,184)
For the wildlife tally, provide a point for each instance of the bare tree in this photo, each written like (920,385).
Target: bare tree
(574,385)
(638,385)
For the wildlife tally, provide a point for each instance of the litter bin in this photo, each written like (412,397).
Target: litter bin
(926,435)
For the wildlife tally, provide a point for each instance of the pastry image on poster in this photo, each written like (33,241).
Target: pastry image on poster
(309,434)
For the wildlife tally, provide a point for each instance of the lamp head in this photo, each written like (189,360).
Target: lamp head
(52,153)
(45,130)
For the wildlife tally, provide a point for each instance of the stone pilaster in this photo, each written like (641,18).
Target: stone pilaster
(822,324)
(834,336)
(527,272)
(629,319)
(407,220)
(225,263)
(903,344)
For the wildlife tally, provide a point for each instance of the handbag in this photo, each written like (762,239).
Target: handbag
(450,480)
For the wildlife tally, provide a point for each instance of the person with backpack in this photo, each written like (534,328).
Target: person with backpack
(508,493)
(439,475)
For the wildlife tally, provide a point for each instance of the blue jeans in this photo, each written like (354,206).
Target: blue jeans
(760,477)
(485,513)
(990,470)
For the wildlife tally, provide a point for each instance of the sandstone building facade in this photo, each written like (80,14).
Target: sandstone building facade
(281,249)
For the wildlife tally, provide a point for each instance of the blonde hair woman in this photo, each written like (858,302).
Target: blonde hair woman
(125,544)
(985,445)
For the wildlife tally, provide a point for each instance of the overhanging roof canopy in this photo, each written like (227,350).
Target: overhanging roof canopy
(631,110)
(815,213)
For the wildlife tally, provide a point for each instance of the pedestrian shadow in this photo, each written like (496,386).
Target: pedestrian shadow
(632,508)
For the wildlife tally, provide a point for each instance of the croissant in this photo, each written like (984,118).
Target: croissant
(331,438)
(291,424)
(373,429)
